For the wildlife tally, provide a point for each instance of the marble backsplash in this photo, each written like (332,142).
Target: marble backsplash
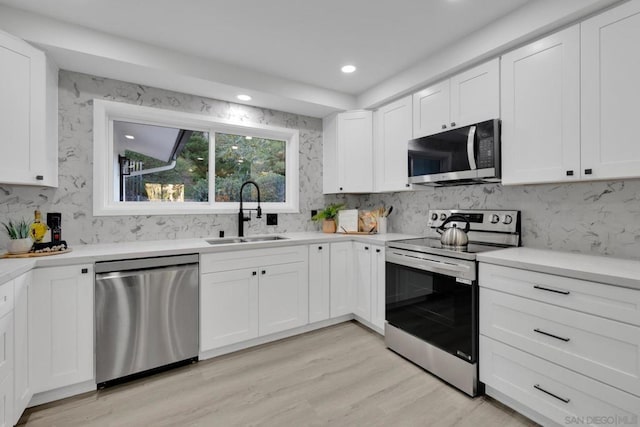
(73,197)
(599,218)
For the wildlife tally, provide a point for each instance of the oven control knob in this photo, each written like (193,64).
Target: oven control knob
(495,219)
(443,217)
(508,219)
(434,216)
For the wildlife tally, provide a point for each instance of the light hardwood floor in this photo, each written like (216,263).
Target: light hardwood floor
(339,376)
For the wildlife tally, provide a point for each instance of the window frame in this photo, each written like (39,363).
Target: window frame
(105,168)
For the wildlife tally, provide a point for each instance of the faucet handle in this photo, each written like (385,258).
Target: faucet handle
(259,212)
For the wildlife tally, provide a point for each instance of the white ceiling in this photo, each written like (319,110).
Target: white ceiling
(297,40)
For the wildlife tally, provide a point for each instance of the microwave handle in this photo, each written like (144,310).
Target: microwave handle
(471,150)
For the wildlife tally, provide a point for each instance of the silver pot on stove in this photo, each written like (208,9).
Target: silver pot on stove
(454,236)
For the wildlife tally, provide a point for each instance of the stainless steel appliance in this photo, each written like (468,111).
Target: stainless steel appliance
(432,293)
(146,315)
(466,155)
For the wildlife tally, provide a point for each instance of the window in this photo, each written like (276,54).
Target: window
(149,161)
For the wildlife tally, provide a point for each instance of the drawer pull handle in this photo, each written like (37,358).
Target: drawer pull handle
(551,335)
(565,400)
(557,291)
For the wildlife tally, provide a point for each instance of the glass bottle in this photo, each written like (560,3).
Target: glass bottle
(38,229)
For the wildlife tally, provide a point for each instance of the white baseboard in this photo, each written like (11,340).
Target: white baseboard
(273,337)
(62,393)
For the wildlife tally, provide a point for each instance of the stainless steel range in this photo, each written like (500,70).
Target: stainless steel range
(432,292)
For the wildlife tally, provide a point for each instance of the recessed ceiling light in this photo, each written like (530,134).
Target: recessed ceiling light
(348,69)
(234,147)
(130,137)
(248,137)
(243,97)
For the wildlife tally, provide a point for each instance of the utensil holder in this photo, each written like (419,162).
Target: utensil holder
(382,225)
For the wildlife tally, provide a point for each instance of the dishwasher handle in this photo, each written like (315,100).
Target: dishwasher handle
(145,263)
(136,273)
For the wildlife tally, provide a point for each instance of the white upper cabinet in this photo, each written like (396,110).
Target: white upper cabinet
(393,129)
(431,110)
(28,115)
(475,94)
(347,152)
(541,110)
(610,93)
(466,98)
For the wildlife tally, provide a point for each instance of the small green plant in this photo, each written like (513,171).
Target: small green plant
(330,212)
(17,230)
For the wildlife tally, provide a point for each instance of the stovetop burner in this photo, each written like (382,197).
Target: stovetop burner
(434,246)
(489,231)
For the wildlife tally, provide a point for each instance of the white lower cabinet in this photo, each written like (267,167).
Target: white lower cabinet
(6,402)
(378,281)
(283,297)
(269,294)
(6,355)
(556,348)
(60,324)
(21,383)
(319,282)
(342,293)
(369,283)
(228,307)
(362,280)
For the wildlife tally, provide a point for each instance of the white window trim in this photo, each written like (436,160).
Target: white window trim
(105,170)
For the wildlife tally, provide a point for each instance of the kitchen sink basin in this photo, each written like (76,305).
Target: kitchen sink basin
(262,238)
(229,240)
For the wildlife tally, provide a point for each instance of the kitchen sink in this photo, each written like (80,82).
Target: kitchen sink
(229,240)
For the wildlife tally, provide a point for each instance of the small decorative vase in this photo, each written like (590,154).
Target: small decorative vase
(328,225)
(19,246)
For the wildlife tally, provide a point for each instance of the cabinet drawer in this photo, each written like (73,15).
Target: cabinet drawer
(236,260)
(608,301)
(599,348)
(555,392)
(6,298)
(6,346)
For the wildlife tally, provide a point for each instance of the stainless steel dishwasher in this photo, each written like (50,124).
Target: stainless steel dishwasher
(146,316)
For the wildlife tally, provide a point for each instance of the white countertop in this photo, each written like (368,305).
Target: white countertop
(81,254)
(602,269)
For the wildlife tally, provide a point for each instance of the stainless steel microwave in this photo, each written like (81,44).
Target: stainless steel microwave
(466,155)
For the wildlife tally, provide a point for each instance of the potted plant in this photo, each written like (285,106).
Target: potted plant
(328,217)
(18,232)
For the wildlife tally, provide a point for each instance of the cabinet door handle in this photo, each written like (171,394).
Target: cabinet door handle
(378,251)
(407,185)
(84,270)
(319,248)
(563,399)
(569,173)
(254,273)
(551,335)
(366,248)
(444,126)
(40,177)
(557,291)
(588,171)
(340,188)
(263,272)
(453,124)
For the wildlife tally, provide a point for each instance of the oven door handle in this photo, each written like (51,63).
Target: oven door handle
(428,265)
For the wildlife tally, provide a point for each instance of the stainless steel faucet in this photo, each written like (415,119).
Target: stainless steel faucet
(241,217)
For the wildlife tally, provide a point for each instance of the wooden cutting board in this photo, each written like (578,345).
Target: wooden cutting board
(33,254)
